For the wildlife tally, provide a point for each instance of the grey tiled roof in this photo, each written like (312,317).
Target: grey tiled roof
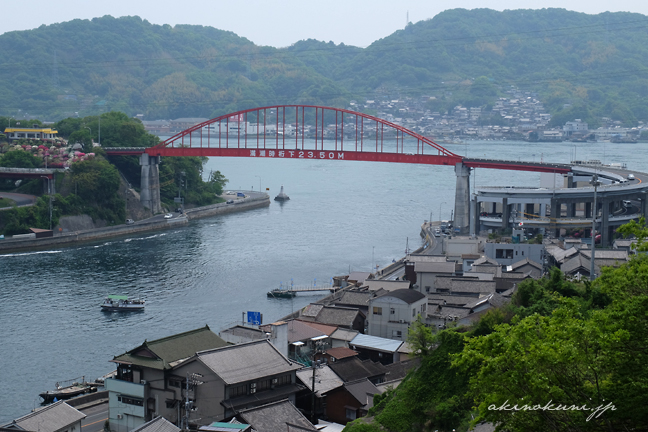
(524,262)
(356,298)
(450,299)
(325,379)
(246,362)
(353,368)
(409,296)
(614,254)
(388,285)
(344,334)
(360,389)
(158,424)
(275,417)
(337,316)
(485,261)
(51,418)
(465,285)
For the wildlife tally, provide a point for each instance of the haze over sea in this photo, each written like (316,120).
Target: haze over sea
(341,216)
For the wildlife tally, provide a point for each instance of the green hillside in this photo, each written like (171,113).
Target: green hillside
(580,65)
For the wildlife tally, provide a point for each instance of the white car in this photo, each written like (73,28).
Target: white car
(230,193)
(168,216)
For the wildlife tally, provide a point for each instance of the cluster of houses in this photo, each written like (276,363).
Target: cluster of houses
(320,367)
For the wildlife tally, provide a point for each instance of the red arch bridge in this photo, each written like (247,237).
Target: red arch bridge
(315,132)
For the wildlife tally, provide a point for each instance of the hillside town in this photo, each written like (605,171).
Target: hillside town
(321,366)
(518,116)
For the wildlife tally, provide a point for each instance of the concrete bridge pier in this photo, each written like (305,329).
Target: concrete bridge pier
(462,199)
(150,185)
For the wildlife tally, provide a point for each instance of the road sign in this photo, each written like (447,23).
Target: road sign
(254,318)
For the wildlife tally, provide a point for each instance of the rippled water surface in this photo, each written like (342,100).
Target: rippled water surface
(341,216)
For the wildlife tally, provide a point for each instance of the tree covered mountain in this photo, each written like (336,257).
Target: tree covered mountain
(581,66)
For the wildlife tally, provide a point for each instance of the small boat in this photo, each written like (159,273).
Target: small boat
(122,303)
(281,293)
(67,392)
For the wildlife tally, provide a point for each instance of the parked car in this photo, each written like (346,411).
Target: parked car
(129,221)
(168,216)
(631,177)
(240,194)
(230,201)
(229,193)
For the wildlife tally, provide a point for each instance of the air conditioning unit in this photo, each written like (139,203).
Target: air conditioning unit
(143,382)
(253,390)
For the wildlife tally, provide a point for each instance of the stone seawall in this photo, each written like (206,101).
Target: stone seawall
(71,238)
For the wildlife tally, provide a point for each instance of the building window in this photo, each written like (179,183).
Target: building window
(377,310)
(239,390)
(414,312)
(427,289)
(351,413)
(130,401)
(423,307)
(397,334)
(504,253)
(264,384)
(284,380)
(392,311)
(175,383)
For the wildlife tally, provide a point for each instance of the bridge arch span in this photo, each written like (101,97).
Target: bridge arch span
(305,132)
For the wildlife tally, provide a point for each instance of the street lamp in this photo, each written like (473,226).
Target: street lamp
(259,182)
(594,182)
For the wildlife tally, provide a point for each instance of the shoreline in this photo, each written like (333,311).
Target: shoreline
(76,237)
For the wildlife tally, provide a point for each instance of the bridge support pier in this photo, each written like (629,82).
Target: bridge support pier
(150,185)
(462,199)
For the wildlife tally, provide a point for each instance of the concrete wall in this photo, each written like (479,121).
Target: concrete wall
(67,239)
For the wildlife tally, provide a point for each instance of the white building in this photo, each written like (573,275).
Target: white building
(391,314)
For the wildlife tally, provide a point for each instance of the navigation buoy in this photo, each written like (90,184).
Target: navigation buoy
(282,196)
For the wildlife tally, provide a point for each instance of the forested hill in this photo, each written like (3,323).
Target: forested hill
(582,66)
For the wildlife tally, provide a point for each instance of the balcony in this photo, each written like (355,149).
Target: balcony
(125,387)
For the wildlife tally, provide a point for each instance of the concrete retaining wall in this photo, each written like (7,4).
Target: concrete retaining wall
(71,238)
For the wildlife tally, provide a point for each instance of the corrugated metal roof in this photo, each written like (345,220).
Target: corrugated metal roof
(375,342)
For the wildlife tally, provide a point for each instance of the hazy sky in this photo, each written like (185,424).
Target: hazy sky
(282,23)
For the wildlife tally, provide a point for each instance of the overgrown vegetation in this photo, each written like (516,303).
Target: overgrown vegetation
(581,66)
(92,182)
(557,342)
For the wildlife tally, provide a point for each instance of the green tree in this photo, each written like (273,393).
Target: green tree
(19,159)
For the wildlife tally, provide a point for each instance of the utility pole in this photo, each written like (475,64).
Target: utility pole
(594,182)
(316,349)
(192,378)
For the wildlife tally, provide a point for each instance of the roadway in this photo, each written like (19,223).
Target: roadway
(21,200)
(96,417)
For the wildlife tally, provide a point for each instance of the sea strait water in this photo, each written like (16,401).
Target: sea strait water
(342,216)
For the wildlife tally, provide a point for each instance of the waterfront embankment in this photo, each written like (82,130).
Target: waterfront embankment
(253,201)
